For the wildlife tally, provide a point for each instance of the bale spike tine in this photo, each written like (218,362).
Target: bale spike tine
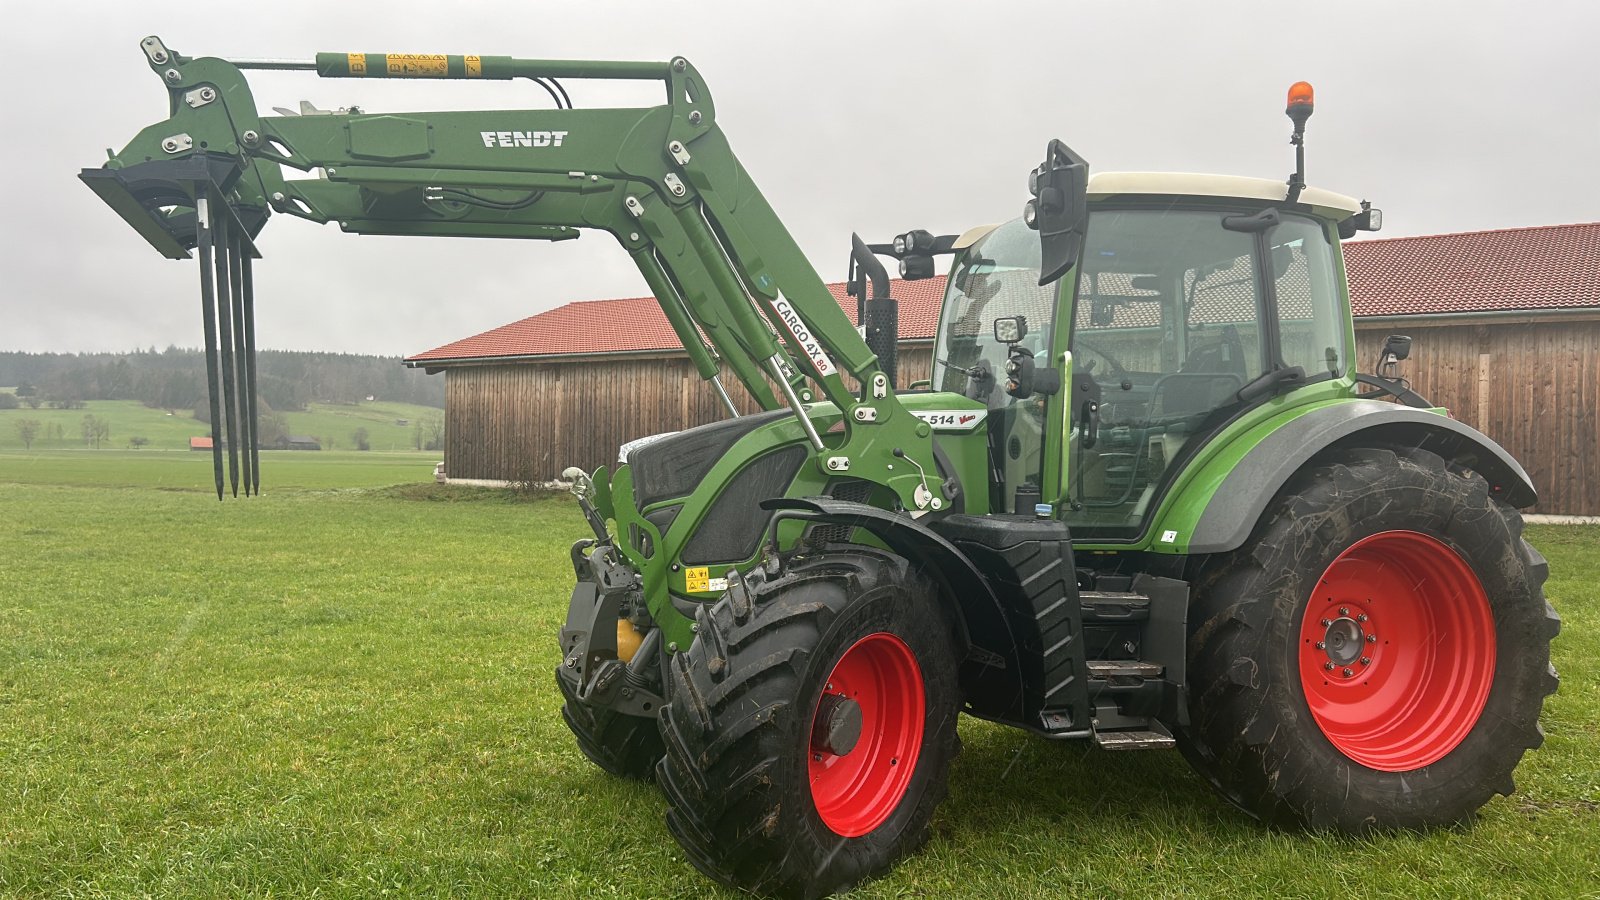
(241,356)
(223,240)
(247,287)
(208,313)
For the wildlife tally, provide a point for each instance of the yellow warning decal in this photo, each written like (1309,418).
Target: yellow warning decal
(697,579)
(474,66)
(358,63)
(418,65)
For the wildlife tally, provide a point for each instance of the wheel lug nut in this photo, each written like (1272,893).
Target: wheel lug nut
(1322,645)
(1361,618)
(1366,660)
(1344,610)
(1328,666)
(1372,639)
(1348,672)
(1326,622)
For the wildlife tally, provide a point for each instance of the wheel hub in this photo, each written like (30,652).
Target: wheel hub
(1397,651)
(837,727)
(1344,641)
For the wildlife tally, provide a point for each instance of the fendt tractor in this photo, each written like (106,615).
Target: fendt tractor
(1145,501)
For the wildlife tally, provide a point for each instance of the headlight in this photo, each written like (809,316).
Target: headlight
(915,267)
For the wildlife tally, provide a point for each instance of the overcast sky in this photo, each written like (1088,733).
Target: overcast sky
(870,117)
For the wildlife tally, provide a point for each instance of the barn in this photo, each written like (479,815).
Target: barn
(1505,323)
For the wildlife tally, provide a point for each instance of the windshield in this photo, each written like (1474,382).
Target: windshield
(996,277)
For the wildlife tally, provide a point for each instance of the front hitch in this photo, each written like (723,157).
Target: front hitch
(591,662)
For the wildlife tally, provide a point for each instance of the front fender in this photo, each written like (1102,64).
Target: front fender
(992,671)
(1244,486)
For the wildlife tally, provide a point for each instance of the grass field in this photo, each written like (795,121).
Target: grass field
(185,470)
(128,419)
(343,689)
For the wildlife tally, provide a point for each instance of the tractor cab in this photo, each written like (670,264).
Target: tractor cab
(1197,299)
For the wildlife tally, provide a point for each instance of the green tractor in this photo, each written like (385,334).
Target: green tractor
(1146,501)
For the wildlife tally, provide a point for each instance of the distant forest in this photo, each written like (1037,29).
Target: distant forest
(175,378)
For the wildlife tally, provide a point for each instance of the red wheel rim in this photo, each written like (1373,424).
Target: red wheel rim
(855,789)
(1397,651)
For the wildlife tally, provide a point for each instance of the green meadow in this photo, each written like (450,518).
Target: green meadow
(343,688)
(62,429)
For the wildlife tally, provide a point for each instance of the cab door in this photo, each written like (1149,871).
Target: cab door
(1176,310)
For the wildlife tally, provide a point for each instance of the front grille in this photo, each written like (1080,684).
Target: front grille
(733,526)
(673,466)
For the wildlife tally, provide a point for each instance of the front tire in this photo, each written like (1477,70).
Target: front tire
(626,746)
(1377,655)
(811,725)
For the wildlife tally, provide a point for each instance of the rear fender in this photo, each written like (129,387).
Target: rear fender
(991,674)
(1230,515)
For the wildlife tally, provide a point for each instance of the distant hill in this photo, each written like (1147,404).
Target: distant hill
(174,378)
(123,424)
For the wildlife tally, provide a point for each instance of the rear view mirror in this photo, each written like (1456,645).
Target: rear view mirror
(1282,260)
(1059,210)
(1397,346)
(973,280)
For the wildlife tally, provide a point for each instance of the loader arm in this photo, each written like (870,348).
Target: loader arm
(662,180)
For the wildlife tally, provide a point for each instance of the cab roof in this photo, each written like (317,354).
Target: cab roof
(1112,184)
(1196,184)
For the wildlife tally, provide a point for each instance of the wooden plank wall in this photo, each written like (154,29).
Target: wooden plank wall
(1534,388)
(527,422)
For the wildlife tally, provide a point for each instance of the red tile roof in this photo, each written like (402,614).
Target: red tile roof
(636,324)
(1548,267)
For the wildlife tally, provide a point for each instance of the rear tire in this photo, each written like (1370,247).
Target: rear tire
(624,745)
(1405,572)
(811,725)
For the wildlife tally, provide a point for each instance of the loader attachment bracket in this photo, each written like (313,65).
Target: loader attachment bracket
(157,198)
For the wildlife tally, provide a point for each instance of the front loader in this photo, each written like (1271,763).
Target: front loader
(1146,500)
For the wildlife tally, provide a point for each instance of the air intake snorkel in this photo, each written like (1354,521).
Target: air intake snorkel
(879,315)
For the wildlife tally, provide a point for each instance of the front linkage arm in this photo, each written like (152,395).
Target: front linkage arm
(662,181)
